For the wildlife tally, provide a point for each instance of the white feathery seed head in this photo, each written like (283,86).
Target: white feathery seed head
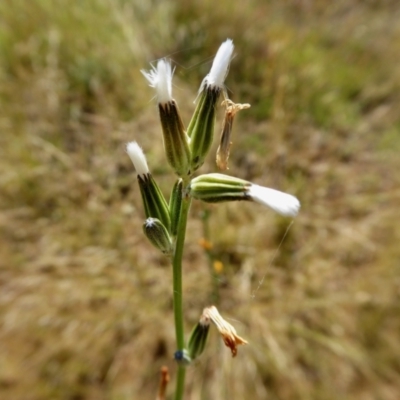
(138,158)
(283,203)
(219,69)
(160,78)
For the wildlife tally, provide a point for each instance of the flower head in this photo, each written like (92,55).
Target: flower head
(160,79)
(201,126)
(176,143)
(219,69)
(215,188)
(154,202)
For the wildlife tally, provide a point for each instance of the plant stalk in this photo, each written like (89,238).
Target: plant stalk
(180,382)
(177,292)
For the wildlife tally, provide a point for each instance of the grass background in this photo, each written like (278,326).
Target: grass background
(85,302)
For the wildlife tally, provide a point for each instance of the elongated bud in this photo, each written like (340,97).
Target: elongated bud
(225,141)
(227,331)
(198,338)
(158,235)
(176,143)
(155,205)
(201,126)
(214,188)
(175,205)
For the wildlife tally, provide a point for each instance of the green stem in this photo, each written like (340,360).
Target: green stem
(177,292)
(180,383)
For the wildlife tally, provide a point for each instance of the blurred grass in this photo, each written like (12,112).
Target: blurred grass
(85,301)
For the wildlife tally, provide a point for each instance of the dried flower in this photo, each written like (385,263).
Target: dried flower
(225,142)
(227,331)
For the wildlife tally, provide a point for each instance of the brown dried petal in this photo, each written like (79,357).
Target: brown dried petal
(227,331)
(225,143)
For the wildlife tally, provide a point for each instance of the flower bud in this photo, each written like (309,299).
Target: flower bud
(214,188)
(155,205)
(198,338)
(158,235)
(175,205)
(175,139)
(176,142)
(201,126)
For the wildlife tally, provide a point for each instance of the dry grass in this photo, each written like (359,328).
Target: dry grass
(85,301)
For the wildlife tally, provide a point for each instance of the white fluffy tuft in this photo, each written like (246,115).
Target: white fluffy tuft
(160,78)
(138,158)
(220,65)
(283,203)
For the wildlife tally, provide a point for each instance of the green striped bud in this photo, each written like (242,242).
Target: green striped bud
(154,202)
(175,205)
(158,235)
(201,127)
(155,205)
(176,142)
(214,188)
(198,338)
